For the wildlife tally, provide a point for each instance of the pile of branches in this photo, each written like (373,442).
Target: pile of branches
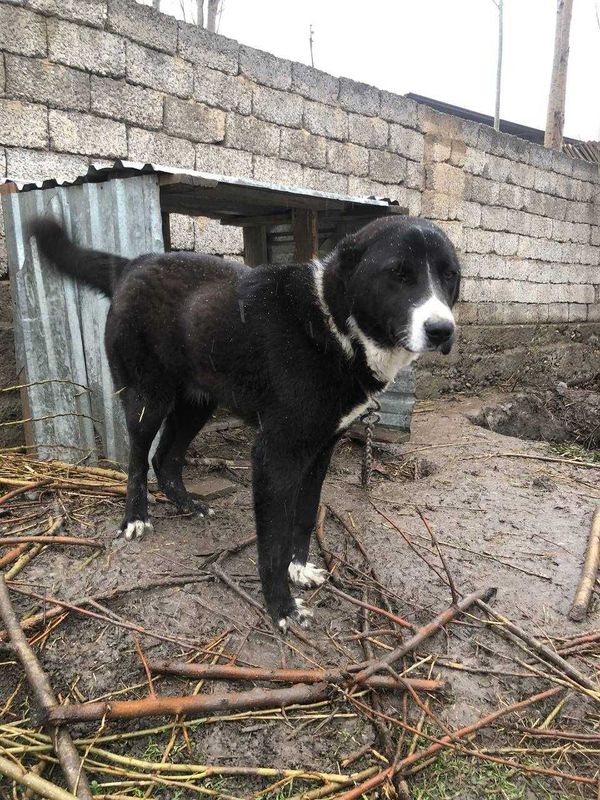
(404,743)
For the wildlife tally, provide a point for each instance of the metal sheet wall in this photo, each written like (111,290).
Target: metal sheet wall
(59,324)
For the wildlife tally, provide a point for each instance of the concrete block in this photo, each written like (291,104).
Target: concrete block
(322,181)
(41,81)
(578,312)
(193,121)
(90,12)
(324,120)
(481,190)
(160,71)
(265,68)
(350,159)
(156,147)
(506,244)
(124,101)
(23,124)
(182,232)
(314,84)
(519,222)
(540,156)
(579,212)
(593,312)
(273,105)
(223,161)
(36,165)
(437,205)
(208,49)
(595,235)
(212,237)
(415,175)
(85,48)
(585,170)
(359,97)
(558,312)
(276,170)
(436,148)
(72,132)
(396,108)
(407,142)
(465,313)
(494,218)
(475,161)
(387,167)
(470,213)
(496,169)
(511,196)
(253,135)
(303,147)
(555,207)
(444,178)
(22,31)
(142,24)
(478,241)
(215,88)
(368,131)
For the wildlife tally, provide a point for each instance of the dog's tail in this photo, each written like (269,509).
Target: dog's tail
(97,269)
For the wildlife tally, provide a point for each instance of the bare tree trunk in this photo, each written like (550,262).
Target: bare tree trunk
(499,67)
(200,13)
(558,85)
(156,5)
(213,13)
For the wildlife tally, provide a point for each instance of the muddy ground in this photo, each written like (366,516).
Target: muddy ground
(518,524)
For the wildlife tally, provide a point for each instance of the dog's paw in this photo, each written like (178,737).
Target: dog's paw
(301,615)
(197,508)
(306,575)
(136,529)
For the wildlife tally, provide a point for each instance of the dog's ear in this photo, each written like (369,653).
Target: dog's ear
(349,252)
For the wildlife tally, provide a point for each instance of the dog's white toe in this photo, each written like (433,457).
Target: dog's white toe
(306,575)
(302,615)
(137,529)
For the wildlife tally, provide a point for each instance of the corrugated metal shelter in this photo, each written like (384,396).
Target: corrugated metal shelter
(69,402)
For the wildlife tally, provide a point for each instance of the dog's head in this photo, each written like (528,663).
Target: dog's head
(401,277)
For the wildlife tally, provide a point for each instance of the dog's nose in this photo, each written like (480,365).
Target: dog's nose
(439,331)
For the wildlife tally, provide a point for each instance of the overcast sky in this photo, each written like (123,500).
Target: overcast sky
(444,49)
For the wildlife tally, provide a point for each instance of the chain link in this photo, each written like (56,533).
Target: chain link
(370,418)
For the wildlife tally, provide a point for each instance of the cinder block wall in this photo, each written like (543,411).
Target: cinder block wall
(94,80)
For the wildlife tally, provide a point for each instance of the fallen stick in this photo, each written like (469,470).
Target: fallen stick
(400,766)
(51,540)
(375,609)
(12,555)
(40,786)
(45,698)
(540,649)
(368,669)
(589,572)
(232,673)
(22,489)
(301,694)
(549,733)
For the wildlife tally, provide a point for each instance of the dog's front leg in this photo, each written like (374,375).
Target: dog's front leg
(302,572)
(277,476)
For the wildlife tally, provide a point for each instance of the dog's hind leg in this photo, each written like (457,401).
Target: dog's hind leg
(181,425)
(301,571)
(144,417)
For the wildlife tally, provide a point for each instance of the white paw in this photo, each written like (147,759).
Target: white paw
(136,529)
(306,574)
(211,512)
(302,615)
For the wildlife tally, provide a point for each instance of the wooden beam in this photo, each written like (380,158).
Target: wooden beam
(305,226)
(255,245)
(166,230)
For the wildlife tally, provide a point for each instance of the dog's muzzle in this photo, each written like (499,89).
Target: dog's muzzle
(440,335)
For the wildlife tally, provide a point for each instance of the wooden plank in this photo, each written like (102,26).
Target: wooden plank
(306,235)
(255,246)
(166,230)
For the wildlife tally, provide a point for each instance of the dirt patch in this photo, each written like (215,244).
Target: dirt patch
(561,415)
(517,524)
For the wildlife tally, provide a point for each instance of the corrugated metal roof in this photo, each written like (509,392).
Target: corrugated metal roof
(173,176)
(588,151)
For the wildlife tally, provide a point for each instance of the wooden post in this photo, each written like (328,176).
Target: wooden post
(555,119)
(306,235)
(255,245)
(166,230)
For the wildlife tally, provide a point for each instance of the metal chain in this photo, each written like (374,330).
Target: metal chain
(370,418)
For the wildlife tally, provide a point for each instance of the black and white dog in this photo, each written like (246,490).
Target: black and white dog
(297,350)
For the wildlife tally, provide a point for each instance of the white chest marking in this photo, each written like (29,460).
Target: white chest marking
(384,362)
(347,420)
(344,340)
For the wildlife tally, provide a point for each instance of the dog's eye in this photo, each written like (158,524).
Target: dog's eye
(399,272)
